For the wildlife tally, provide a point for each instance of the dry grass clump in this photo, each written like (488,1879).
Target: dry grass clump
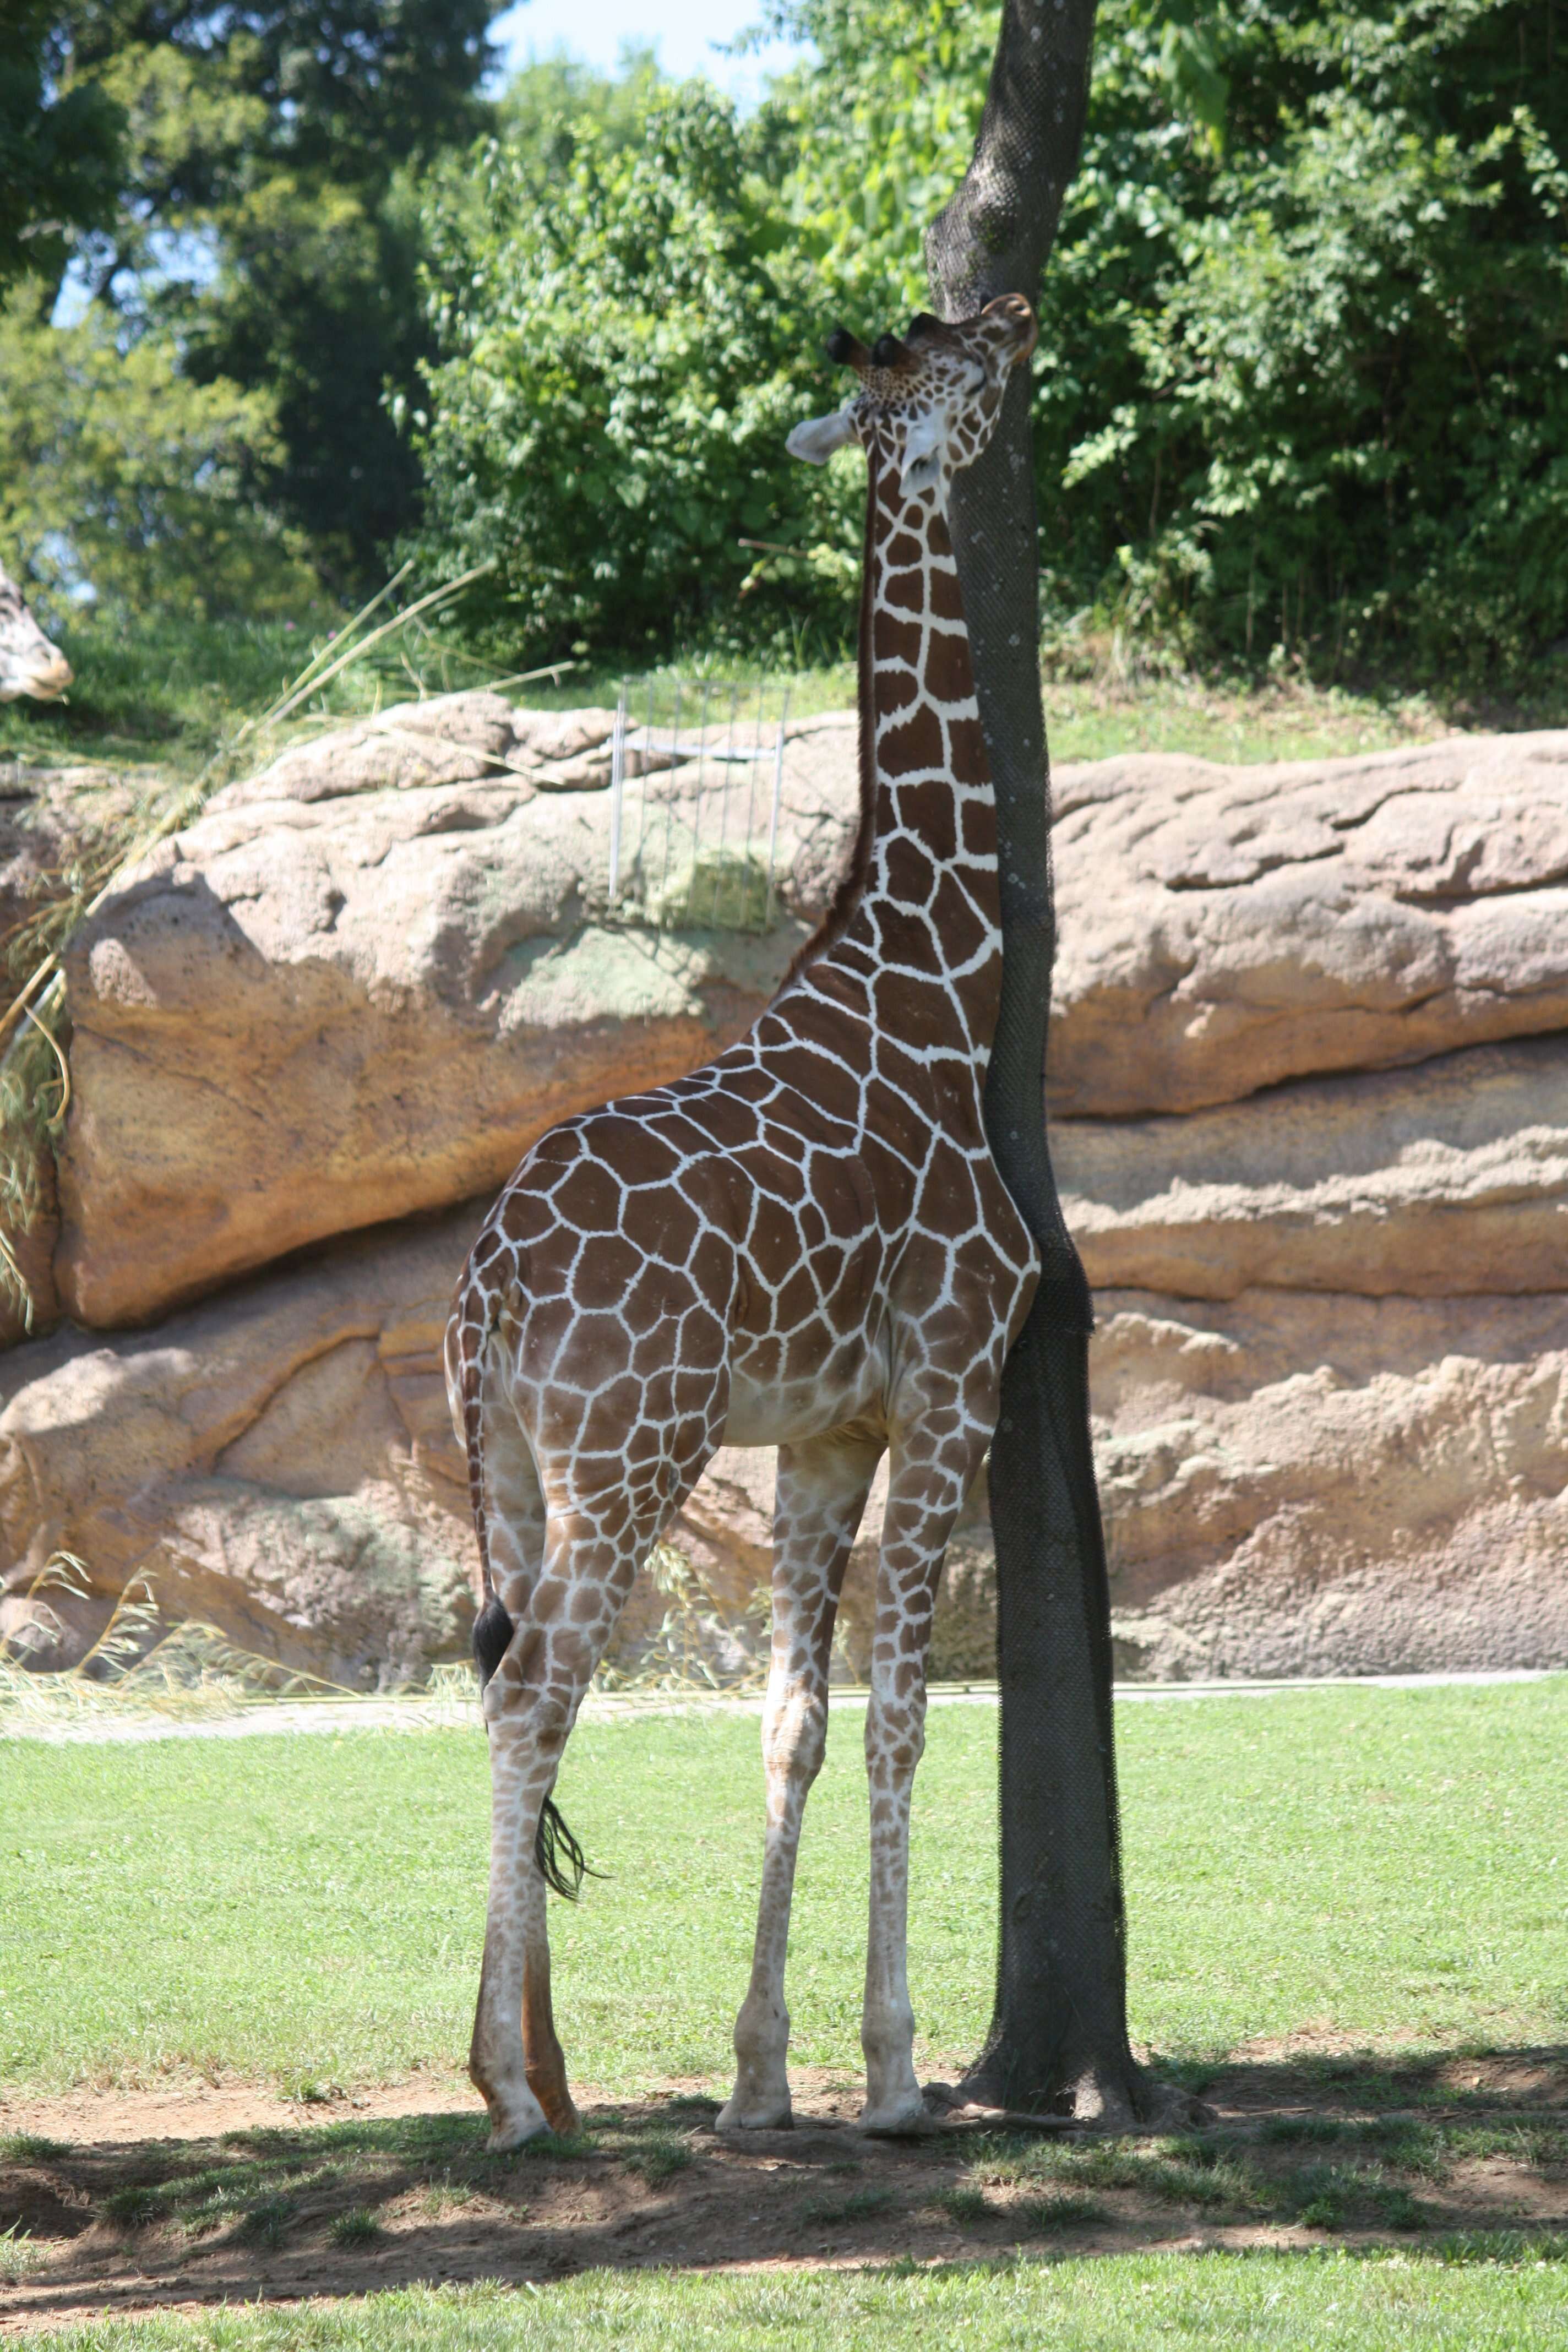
(138,1664)
(696,1625)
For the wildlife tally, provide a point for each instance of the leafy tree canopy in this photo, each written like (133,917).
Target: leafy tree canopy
(1302,378)
(264,220)
(118,473)
(626,360)
(335,91)
(60,144)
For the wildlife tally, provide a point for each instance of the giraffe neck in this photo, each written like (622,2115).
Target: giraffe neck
(927,900)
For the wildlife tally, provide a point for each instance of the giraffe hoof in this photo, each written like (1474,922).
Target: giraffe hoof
(562,2118)
(512,2124)
(560,2107)
(775,2115)
(896,2118)
(508,2136)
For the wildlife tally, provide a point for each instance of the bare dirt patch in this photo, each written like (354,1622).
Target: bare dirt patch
(129,2202)
(191,2109)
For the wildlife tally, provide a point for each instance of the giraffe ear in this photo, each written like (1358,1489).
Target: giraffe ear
(817,438)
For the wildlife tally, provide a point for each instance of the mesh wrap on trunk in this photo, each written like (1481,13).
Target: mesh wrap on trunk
(1060,2003)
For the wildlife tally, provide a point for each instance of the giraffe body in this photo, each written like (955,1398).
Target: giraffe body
(805,1244)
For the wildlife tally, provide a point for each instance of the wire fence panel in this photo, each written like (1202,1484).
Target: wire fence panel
(693,845)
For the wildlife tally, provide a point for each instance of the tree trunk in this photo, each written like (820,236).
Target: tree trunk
(1058,2043)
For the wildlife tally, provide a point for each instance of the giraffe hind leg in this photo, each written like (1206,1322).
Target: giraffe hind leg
(515,2059)
(530,1704)
(518,1508)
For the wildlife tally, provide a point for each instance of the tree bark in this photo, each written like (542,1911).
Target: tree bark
(1058,2043)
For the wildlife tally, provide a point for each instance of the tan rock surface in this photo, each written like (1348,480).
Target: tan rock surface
(53,821)
(1447,1178)
(450,739)
(278,1462)
(1223,929)
(362,982)
(309,1014)
(1330,1382)
(54,825)
(1325,1485)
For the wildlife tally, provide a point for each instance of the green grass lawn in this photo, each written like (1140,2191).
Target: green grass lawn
(1381,1866)
(165,693)
(1122,2304)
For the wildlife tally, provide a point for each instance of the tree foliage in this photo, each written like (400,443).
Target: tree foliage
(1302,378)
(60,144)
(264,220)
(118,473)
(1329,407)
(623,361)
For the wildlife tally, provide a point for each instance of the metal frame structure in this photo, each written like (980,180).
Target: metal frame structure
(719,743)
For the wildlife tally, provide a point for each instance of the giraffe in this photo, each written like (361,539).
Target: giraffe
(805,1244)
(29,665)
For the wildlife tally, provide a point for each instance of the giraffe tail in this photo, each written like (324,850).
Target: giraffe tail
(562,1865)
(493,1628)
(562,1862)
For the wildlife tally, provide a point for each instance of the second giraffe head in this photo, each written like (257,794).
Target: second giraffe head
(927,403)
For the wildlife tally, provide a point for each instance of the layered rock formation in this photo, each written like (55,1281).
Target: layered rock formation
(1311,1067)
(277,1461)
(1226,928)
(1307,1483)
(1444,1180)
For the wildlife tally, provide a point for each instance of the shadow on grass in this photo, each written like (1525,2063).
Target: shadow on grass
(1472,2079)
(1462,2156)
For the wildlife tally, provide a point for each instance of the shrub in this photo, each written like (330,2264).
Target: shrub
(621,366)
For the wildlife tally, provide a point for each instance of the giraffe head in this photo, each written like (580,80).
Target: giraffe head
(928,403)
(28,663)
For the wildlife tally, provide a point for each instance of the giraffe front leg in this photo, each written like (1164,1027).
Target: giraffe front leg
(895,1737)
(925,1493)
(823,1483)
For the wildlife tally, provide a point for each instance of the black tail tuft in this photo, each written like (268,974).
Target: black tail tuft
(492,1633)
(552,1840)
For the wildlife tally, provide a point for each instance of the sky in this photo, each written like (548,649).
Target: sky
(682,32)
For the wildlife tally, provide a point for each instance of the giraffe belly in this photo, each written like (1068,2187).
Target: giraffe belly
(780,1410)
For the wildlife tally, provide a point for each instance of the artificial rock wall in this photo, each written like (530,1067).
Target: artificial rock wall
(1310,1067)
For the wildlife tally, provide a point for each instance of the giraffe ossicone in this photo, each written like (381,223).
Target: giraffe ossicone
(805,1244)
